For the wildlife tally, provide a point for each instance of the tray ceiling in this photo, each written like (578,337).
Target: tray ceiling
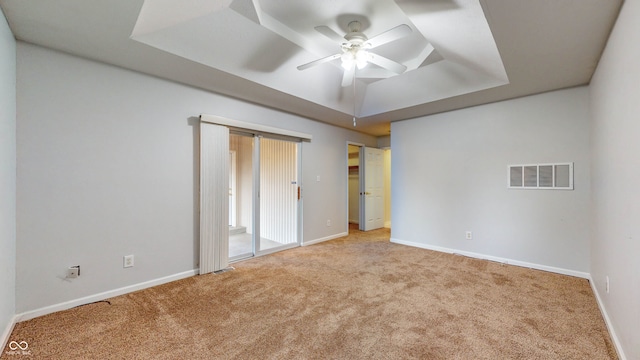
(460,52)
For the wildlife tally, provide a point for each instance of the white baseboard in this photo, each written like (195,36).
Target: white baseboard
(607,321)
(102,296)
(7,333)
(331,237)
(569,272)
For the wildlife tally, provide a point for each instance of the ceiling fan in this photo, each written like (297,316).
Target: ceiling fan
(355,47)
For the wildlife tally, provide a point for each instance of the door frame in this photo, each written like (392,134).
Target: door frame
(233,188)
(256,201)
(361,184)
(361,146)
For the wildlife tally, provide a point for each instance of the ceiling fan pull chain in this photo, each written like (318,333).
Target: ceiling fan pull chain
(354,96)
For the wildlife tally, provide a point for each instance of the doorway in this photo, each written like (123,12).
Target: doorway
(369,190)
(353,184)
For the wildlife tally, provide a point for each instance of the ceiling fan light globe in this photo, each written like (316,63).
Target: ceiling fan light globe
(362,59)
(348,60)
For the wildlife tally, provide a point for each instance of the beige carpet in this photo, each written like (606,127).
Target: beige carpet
(358,297)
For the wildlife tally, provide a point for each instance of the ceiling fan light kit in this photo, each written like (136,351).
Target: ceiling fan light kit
(355,57)
(355,47)
(355,52)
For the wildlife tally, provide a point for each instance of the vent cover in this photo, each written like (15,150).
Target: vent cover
(541,176)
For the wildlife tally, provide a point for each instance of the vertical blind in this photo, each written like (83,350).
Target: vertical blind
(214,197)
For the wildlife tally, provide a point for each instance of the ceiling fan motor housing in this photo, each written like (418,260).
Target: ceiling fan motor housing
(354,37)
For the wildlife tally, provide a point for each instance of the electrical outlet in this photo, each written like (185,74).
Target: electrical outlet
(73,272)
(468,235)
(607,284)
(328,222)
(128,261)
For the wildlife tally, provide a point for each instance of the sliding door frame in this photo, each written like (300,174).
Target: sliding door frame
(219,242)
(257,250)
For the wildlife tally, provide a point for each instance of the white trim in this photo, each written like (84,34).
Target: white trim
(102,296)
(607,321)
(562,271)
(237,124)
(331,237)
(7,332)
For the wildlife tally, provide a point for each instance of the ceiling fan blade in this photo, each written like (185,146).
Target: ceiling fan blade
(347,77)
(319,61)
(395,33)
(385,63)
(328,32)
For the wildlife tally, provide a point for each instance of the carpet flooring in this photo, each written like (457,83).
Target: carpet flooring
(357,297)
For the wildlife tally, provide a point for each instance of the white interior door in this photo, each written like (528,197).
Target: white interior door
(372,189)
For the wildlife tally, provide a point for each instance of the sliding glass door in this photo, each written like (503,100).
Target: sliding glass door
(278,194)
(241,203)
(250,201)
(263,195)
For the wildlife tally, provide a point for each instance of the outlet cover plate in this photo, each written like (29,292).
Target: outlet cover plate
(127,261)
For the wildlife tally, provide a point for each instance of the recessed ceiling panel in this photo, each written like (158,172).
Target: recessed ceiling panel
(214,33)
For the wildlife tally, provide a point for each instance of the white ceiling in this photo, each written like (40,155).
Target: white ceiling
(460,53)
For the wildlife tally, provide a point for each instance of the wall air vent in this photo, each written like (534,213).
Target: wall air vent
(557,176)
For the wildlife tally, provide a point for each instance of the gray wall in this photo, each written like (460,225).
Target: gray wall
(7,176)
(449,175)
(615,242)
(107,167)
